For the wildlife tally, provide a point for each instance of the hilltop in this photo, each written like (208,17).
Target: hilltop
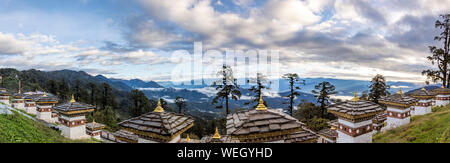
(431,128)
(17,128)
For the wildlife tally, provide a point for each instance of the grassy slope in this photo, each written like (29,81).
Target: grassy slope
(20,129)
(431,128)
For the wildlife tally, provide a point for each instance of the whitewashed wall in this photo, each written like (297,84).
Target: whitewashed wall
(78,132)
(344,138)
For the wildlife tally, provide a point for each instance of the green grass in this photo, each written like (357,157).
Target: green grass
(430,128)
(24,112)
(17,128)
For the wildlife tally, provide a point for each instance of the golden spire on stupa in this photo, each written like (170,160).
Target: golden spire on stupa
(159,108)
(188,138)
(400,91)
(216,135)
(261,105)
(355,97)
(45,94)
(442,86)
(73,99)
(423,88)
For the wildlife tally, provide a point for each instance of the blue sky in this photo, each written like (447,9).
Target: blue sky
(347,39)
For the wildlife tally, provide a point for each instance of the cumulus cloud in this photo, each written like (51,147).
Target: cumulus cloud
(45,52)
(243,2)
(327,38)
(380,36)
(9,44)
(276,20)
(147,33)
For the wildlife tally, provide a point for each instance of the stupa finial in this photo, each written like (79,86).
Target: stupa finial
(188,138)
(261,105)
(159,108)
(73,99)
(216,135)
(400,91)
(355,97)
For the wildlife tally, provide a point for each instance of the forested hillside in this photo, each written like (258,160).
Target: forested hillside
(115,100)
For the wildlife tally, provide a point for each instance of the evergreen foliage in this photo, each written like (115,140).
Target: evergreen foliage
(228,88)
(378,88)
(440,55)
(294,81)
(322,92)
(261,84)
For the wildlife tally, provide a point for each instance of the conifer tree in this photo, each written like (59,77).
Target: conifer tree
(294,81)
(440,56)
(322,92)
(64,92)
(228,88)
(181,103)
(378,88)
(140,103)
(260,82)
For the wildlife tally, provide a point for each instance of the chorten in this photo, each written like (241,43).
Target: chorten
(72,118)
(423,106)
(398,109)
(328,135)
(30,104)
(4,96)
(158,126)
(379,122)
(18,102)
(355,120)
(94,129)
(45,108)
(442,96)
(124,136)
(262,125)
(217,138)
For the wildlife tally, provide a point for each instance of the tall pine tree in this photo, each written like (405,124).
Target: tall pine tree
(440,56)
(378,88)
(294,81)
(181,103)
(322,92)
(140,103)
(228,88)
(257,89)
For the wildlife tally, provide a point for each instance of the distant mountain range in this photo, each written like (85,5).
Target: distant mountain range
(344,87)
(137,83)
(428,87)
(199,97)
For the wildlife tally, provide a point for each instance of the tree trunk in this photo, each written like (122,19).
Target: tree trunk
(291,105)
(445,64)
(226,104)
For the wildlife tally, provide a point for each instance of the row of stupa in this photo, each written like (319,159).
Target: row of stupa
(257,125)
(359,119)
(70,116)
